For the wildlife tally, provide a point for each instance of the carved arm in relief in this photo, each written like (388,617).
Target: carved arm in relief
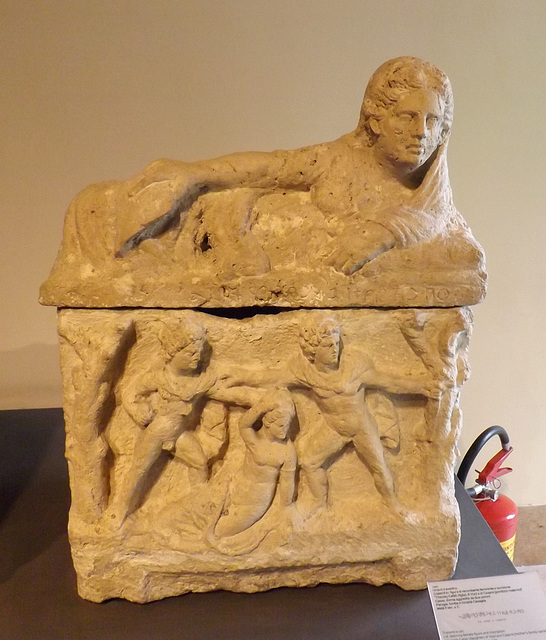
(187,181)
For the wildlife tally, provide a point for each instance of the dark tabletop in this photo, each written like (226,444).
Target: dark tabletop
(38,596)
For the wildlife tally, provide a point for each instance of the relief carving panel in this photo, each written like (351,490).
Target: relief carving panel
(318,445)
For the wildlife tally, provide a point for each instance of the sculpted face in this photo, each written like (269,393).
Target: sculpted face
(188,358)
(327,353)
(410,131)
(276,423)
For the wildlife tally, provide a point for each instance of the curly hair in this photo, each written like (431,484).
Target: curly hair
(312,332)
(397,76)
(179,334)
(280,400)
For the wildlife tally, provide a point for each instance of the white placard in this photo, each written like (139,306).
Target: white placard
(491,608)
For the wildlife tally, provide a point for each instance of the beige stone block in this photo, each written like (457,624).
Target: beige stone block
(281,449)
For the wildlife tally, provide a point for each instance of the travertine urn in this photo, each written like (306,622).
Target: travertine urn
(262,357)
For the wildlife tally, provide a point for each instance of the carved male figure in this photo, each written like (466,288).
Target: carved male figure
(443,351)
(337,381)
(165,406)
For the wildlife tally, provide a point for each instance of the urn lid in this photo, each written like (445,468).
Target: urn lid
(367,220)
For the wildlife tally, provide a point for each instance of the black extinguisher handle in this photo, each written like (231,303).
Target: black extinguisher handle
(477,446)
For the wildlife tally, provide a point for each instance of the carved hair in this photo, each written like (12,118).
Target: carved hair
(397,76)
(282,401)
(176,336)
(312,333)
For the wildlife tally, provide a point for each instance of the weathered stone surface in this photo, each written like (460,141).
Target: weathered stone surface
(281,449)
(367,220)
(287,448)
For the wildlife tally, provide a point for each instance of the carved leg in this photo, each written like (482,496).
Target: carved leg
(147,449)
(212,431)
(370,450)
(314,452)
(317,480)
(188,449)
(371,453)
(238,515)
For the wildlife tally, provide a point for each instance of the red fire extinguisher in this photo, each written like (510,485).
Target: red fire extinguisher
(500,513)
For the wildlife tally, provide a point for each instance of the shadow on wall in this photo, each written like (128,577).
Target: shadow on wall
(30,377)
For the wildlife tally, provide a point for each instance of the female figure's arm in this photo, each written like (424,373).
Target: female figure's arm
(246,426)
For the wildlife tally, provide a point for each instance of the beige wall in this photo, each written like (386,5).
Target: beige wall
(95,90)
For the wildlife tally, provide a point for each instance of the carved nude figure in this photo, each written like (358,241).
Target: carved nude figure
(168,405)
(337,381)
(386,182)
(269,464)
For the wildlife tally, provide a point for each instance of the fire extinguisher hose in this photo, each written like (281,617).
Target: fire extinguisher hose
(475,449)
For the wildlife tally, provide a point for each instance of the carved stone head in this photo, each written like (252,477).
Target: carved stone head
(184,344)
(277,419)
(320,341)
(407,113)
